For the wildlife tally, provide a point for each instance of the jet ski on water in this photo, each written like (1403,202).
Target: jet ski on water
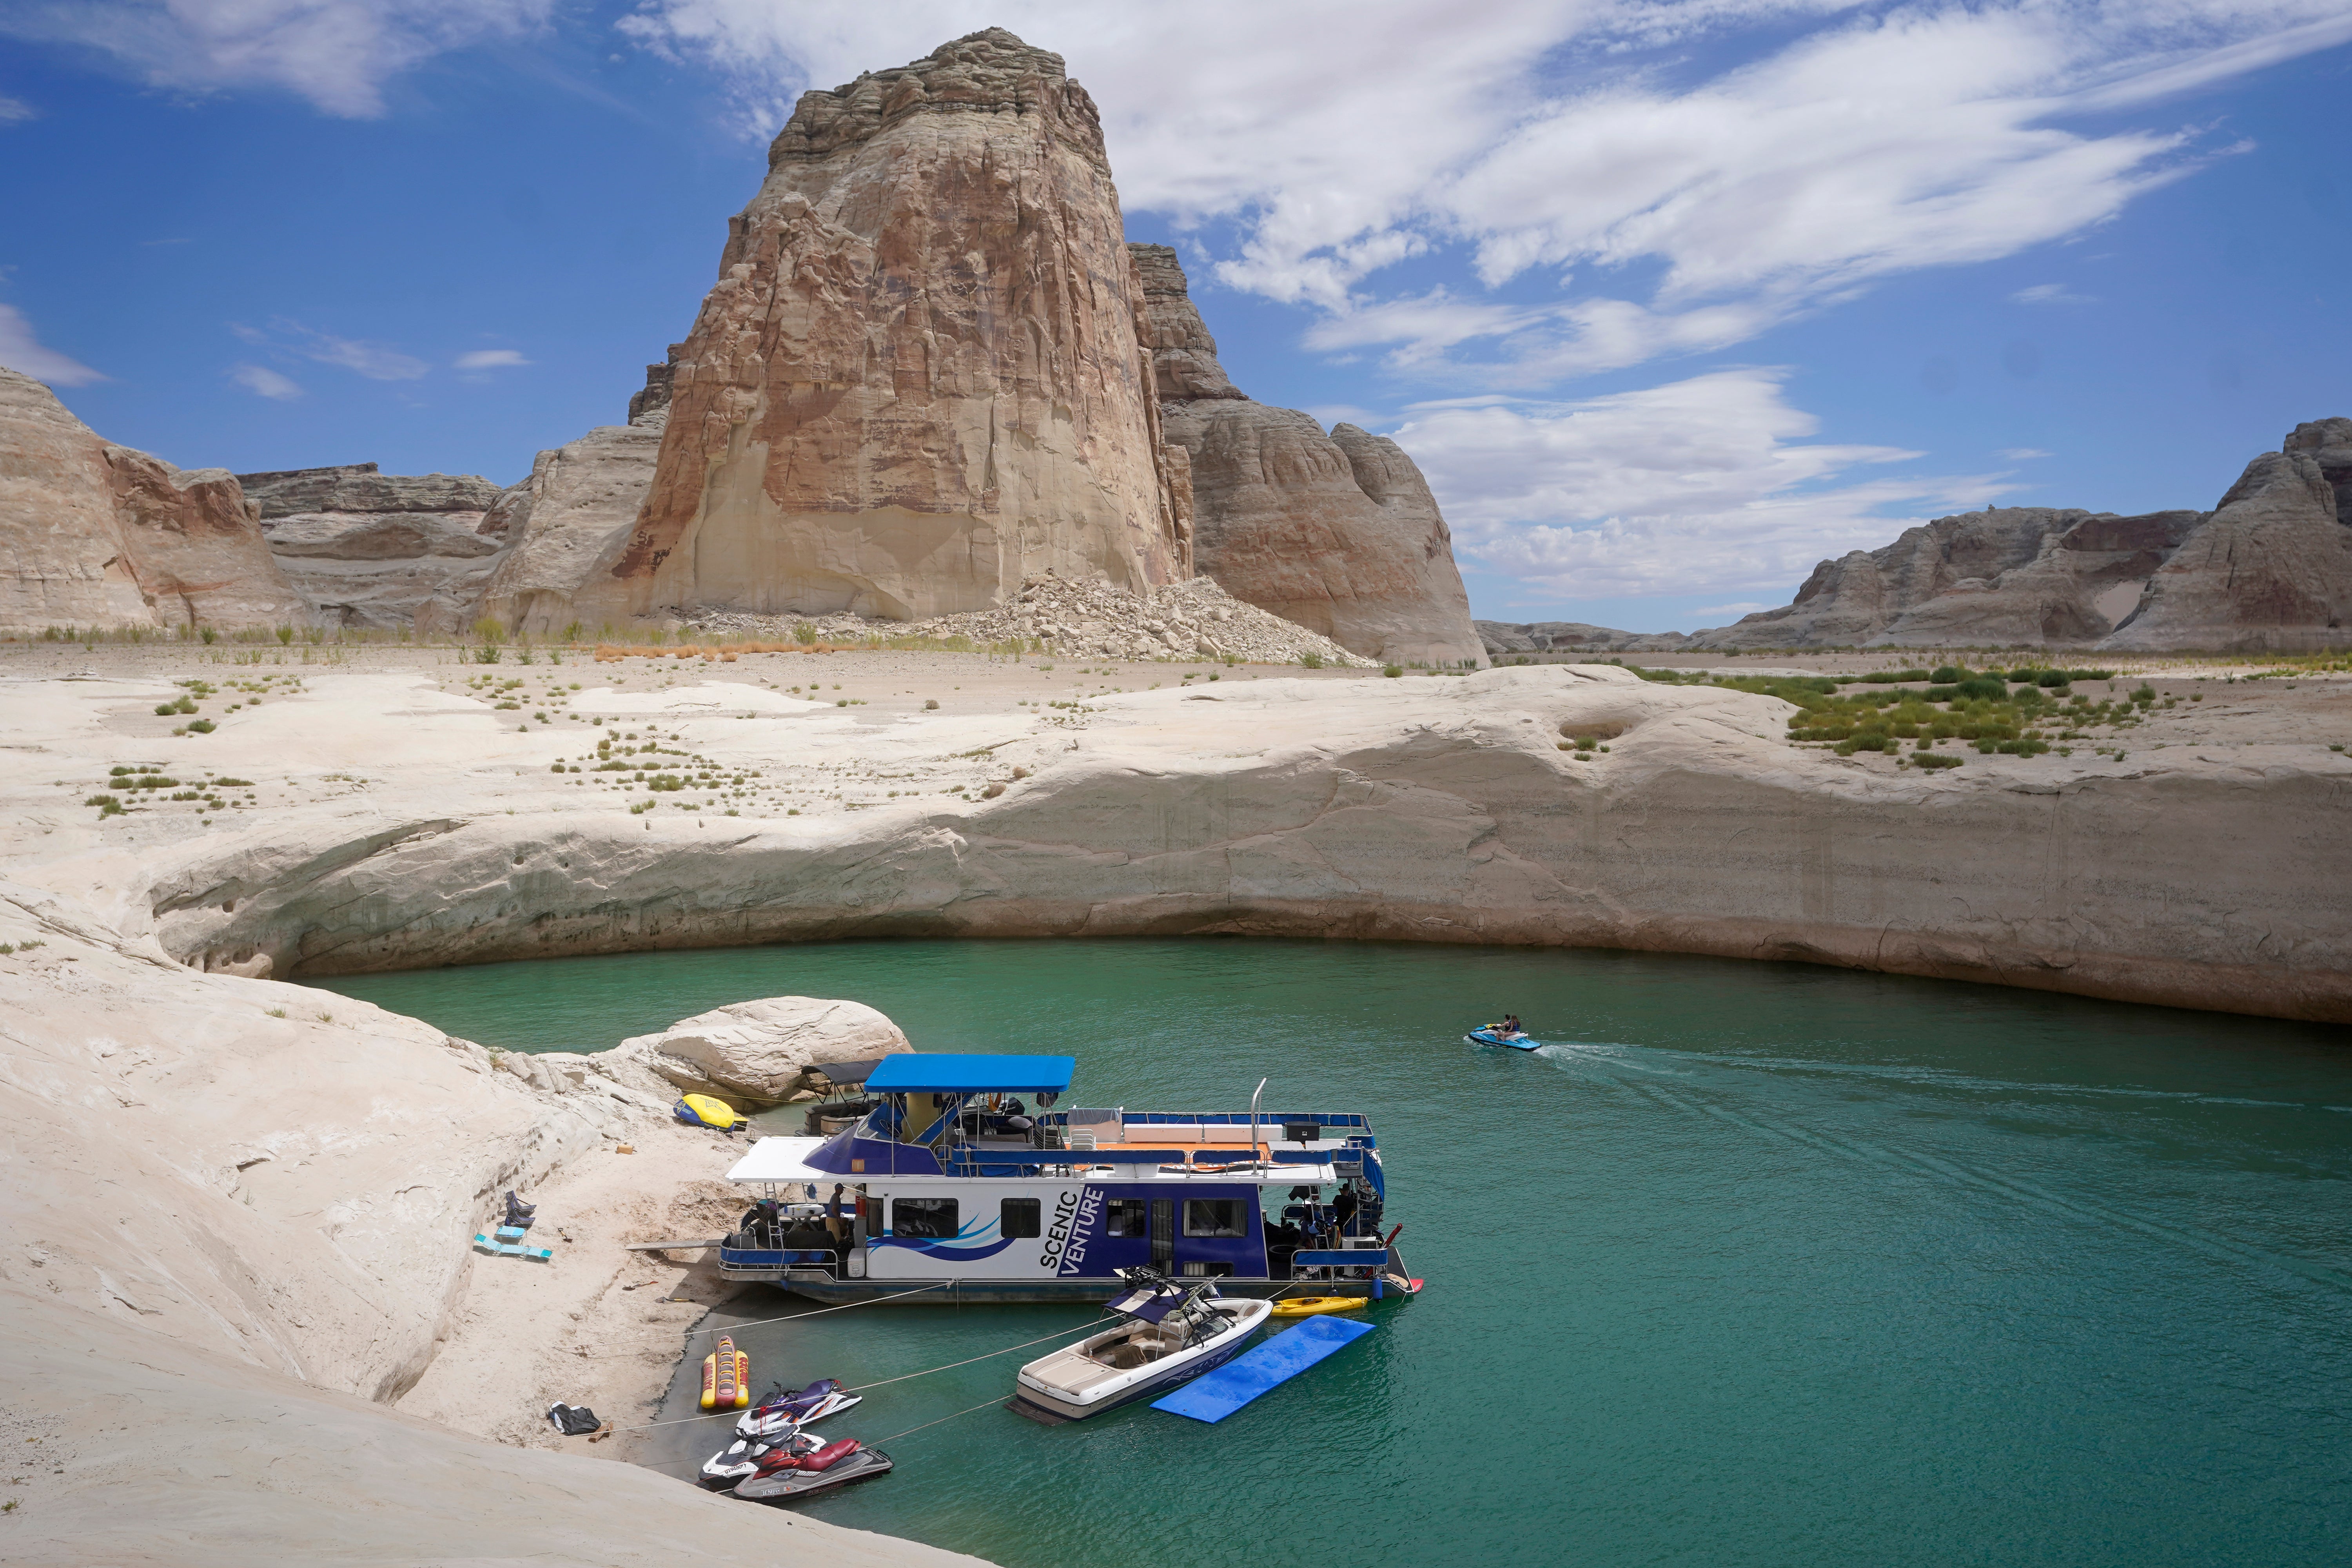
(1497,1035)
(779,1409)
(741,1459)
(781,1476)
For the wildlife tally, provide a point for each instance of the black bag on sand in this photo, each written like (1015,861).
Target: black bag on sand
(572,1420)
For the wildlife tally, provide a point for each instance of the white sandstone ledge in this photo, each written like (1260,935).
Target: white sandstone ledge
(1423,810)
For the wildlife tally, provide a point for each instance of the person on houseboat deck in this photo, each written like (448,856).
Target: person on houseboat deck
(1343,1211)
(836,1221)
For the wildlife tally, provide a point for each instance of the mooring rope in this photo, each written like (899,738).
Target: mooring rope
(818,1313)
(859,1388)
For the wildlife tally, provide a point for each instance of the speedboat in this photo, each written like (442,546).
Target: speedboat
(781,1476)
(1172,1332)
(1489,1035)
(781,1411)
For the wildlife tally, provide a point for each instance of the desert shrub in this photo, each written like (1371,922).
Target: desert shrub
(487,654)
(231,784)
(1391,671)
(286,634)
(209,634)
(1311,660)
(200,727)
(1894,676)
(930,703)
(1988,688)
(1933,759)
(1949,674)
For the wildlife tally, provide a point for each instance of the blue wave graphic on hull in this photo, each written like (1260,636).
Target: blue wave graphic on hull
(945,1253)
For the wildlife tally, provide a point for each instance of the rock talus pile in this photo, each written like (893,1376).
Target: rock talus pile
(1082,618)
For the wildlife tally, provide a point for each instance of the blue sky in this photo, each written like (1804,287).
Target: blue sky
(1670,300)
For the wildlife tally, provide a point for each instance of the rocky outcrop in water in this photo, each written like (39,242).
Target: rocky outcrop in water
(97,535)
(752,1054)
(1336,531)
(917,383)
(381,552)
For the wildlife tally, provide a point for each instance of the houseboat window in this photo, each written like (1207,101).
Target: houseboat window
(1126,1216)
(1214,1216)
(928,1219)
(1019,1218)
(1208,1271)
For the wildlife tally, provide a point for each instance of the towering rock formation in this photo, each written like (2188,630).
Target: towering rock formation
(1337,533)
(918,381)
(93,534)
(381,552)
(2270,570)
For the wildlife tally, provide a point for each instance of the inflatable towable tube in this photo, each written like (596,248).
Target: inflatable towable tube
(726,1377)
(702,1110)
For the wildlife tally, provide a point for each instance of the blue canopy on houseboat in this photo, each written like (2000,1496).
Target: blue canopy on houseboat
(945,1073)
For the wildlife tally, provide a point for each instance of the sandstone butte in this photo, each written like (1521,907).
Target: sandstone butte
(919,380)
(1337,533)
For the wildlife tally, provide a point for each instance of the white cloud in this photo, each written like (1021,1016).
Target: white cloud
(13,109)
(1697,207)
(377,362)
(21,351)
(264,382)
(1743,607)
(1704,485)
(489,358)
(2050,294)
(336,53)
(2022,454)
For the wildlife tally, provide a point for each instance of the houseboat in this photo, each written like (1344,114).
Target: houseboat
(963,1183)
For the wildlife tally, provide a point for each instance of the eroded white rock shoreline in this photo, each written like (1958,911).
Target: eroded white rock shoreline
(252,1198)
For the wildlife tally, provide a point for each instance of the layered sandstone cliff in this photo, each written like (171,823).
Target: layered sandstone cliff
(918,382)
(2031,576)
(568,523)
(97,535)
(378,551)
(2270,570)
(1336,531)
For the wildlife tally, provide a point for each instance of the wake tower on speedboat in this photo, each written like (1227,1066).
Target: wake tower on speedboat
(964,1182)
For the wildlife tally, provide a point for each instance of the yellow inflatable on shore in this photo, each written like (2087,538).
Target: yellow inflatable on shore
(726,1377)
(702,1110)
(1307,1306)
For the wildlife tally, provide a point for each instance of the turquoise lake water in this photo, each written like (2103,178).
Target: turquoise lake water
(1759,1265)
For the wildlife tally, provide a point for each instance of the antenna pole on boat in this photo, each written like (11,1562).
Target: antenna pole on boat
(1253,1098)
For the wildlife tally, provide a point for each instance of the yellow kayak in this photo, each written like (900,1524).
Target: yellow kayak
(1307,1306)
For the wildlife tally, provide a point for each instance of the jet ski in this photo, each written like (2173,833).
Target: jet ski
(741,1459)
(1489,1035)
(780,1478)
(779,1409)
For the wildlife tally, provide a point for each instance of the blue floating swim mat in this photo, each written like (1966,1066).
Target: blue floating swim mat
(1280,1359)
